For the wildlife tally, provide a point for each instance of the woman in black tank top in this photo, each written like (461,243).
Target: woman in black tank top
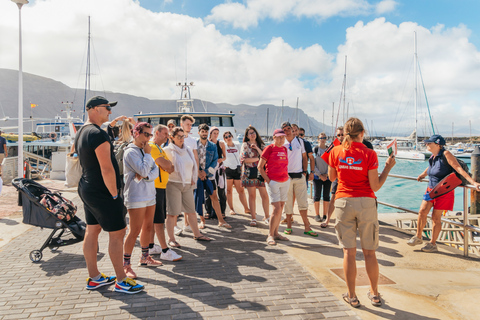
(220,178)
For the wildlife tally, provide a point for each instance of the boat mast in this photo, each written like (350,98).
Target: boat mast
(415,90)
(87,73)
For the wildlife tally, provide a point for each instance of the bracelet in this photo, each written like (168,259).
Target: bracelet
(114,198)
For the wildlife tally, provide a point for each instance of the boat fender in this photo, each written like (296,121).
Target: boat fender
(446,185)
(53,135)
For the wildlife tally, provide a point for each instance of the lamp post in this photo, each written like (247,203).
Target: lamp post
(20,3)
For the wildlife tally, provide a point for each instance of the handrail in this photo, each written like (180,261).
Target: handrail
(466,227)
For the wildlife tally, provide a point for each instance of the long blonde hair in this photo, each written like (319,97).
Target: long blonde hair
(125,131)
(352,129)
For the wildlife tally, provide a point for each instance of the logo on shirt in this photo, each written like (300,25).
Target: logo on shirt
(350,161)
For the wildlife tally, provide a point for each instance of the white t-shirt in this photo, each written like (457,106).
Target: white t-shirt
(191,142)
(295,149)
(233,157)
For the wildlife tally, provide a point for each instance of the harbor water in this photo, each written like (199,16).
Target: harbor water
(408,193)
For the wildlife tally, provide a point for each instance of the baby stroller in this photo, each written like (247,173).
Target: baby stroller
(47,209)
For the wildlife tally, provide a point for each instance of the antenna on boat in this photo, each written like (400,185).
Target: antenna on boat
(415,90)
(87,74)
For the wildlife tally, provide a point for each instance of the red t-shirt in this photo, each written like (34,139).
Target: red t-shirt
(277,162)
(352,167)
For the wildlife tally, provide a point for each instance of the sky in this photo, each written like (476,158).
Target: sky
(265,52)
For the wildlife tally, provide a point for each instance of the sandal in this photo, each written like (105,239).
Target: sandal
(201,225)
(324,225)
(281,238)
(225,225)
(271,241)
(206,216)
(311,233)
(253,223)
(202,238)
(232,213)
(288,231)
(354,302)
(174,244)
(375,299)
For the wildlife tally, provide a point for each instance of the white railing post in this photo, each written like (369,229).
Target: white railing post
(465,222)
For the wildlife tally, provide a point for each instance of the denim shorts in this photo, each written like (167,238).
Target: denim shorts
(140,204)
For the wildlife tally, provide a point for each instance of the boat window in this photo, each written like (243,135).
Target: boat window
(215,121)
(200,120)
(227,121)
(143,119)
(154,121)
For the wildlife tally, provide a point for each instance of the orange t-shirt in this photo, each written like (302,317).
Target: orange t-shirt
(352,167)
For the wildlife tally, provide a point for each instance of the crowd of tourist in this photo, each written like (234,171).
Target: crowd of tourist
(156,174)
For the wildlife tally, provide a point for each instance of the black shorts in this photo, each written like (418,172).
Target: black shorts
(102,209)
(233,174)
(161,206)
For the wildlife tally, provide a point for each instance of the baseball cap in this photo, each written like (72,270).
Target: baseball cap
(278,133)
(285,124)
(171,121)
(98,100)
(436,138)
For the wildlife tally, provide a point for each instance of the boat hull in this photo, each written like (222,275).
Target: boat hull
(408,155)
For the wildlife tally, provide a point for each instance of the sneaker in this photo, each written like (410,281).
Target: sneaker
(318,219)
(187,229)
(148,261)
(170,255)
(103,281)
(266,221)
(129,271)
(155,250)
(430,247)
(177,231)
(414,241)
(129,286)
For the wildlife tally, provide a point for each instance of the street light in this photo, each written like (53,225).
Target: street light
(20,3)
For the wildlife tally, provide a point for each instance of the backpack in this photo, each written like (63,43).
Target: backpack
(119,150)
(464,167)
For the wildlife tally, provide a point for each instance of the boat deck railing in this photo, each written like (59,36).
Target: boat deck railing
(457,231)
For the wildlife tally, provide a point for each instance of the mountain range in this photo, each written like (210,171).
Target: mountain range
(48,95)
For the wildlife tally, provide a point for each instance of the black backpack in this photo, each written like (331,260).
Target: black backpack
(119,150)
(464,167)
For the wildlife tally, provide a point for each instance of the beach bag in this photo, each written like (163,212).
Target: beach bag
(464,167)
(119,150)
(73,170)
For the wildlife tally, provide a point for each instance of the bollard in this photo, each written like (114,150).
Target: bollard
(475,168)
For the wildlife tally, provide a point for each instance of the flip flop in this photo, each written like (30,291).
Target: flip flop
(281,238)
(174,244)
(271,241)
(324,225)
(288,231)
(225,225)
(201,225)
(354,302)
(232,213)
(311,233)
(373,297)
(202,238)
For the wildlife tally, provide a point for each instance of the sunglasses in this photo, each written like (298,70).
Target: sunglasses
(180,136)
(290,147)
(228,136)
(340,135)
(251,133)
(302,134)
(147,135)
(108,107)
(322,138)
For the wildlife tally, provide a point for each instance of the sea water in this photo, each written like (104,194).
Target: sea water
(408,193)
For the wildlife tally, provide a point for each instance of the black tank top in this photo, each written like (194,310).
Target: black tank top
(219,149)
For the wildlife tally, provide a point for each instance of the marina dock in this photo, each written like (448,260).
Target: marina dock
(237,276)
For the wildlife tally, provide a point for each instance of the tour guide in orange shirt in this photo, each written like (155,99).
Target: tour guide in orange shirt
(355,205)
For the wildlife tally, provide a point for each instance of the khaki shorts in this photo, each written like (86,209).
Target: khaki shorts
(299,187)
(2,156)
(277,191)
(180,198)
(357,213)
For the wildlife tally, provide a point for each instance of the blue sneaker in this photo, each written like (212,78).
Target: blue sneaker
(129,286)
(103,281)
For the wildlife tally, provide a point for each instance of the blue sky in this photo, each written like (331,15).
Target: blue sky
(265,51)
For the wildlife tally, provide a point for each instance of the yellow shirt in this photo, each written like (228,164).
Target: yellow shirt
(157,152)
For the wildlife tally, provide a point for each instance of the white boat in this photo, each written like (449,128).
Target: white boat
(408,155)
(222,120)
(406,148)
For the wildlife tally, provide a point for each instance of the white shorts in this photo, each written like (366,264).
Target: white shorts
(140,204)
(277,191)
(299,187)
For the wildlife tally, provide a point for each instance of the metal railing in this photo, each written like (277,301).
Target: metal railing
(463,226)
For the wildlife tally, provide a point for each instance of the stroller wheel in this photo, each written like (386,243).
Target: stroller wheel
(36,255)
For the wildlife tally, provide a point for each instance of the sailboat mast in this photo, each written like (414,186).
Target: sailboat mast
(87,73)
(344,89)
(415,90)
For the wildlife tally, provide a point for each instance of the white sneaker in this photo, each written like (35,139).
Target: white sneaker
(155,250)
(177,231)
(414,241)
(170,255)
(187,229)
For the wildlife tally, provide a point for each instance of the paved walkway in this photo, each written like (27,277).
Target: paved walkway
(237,276)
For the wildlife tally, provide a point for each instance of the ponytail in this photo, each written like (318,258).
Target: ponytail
(353,127)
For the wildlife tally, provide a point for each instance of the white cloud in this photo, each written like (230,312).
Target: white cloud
(143,53)
(385,6)
(246,15)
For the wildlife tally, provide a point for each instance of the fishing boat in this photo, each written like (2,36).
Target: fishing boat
(185,106)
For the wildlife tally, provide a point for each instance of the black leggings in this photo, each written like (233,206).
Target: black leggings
(318,185)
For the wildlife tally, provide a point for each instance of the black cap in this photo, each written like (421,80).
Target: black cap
(285,124)
(98,100)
